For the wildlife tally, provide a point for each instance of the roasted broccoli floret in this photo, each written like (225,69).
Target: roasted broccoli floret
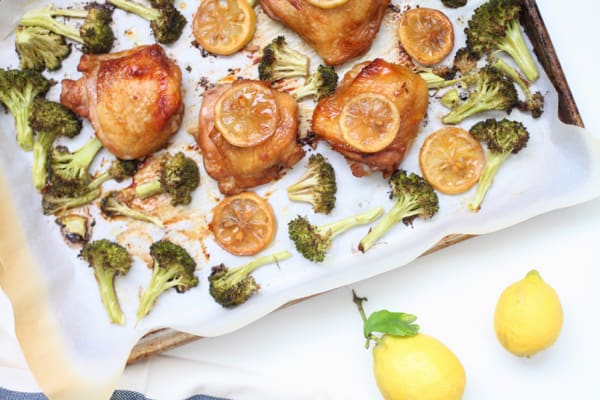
(313,242)
(68,171)
(502,138)
(436,81)
(415,198)
(166,21)
(108,259)
(494,27)
(451,98)
(534,101)
(317,186)
(233,286)
(464,61)
(49,120)
(95,32)
(172,267)
(179,176)
(75,227)
(55,203)
(321,83)
(494,91)
(18,90)
(112,205)
(40,49)
(454,3)
(279,61)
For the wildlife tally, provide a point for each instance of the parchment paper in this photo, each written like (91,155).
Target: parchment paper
(76,353)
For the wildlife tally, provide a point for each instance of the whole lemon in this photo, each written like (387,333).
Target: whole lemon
(417,367)
(528,316)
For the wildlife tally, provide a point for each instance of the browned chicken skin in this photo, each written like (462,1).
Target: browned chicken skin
(132,98)
(406,89)
(337,34)
(240,168)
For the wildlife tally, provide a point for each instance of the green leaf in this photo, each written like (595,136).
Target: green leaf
(391,323)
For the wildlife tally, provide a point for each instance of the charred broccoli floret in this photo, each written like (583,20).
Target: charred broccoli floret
(233,286)
(494,27)
(464,61)
(179,176)
(494,91)
(279,61)
(166,21)
(172,267)
(502,138)
(454,3)
(534,101)
(415,198)
(55,203)
(49,120)
(108,259)
(317,186)
(68,171)
(313,242)
(75,227)
(112,205)
(321,83)
(39,49)
(18,90)
(95,33)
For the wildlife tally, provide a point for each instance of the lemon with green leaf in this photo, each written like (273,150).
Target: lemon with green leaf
(528,316)
(408,364)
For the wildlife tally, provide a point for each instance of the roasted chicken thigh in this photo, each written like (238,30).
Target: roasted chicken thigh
(338,34)
(132,98)
(387,85)
(247,134)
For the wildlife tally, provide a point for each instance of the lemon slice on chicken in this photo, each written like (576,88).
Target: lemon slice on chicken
(369,122)
(247,114)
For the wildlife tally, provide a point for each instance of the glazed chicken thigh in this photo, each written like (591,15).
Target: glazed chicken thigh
(250,159)
(385,83)
(132,98)
(338,34)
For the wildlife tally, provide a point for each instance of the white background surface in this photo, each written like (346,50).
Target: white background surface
(315,350)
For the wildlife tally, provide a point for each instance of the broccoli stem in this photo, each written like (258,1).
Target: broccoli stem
(41,147)
(493,163)
(106,284)
(303,190)
(134,214)
(149,189)
(513,74)
(236,275)
(43,18)
(140,10)
(162,280)
(514,44)
(87,152)
(482,101)
(305,91)
(404,207)
(335,228)
(53,205)
(24,131)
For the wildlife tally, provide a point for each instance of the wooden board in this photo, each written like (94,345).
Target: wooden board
(162,340)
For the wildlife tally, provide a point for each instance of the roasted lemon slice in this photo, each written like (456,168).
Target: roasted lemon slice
(451,160)
(369,122)
(243,224)
(327,3)
(426,34)
(247,114)
(224,27)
